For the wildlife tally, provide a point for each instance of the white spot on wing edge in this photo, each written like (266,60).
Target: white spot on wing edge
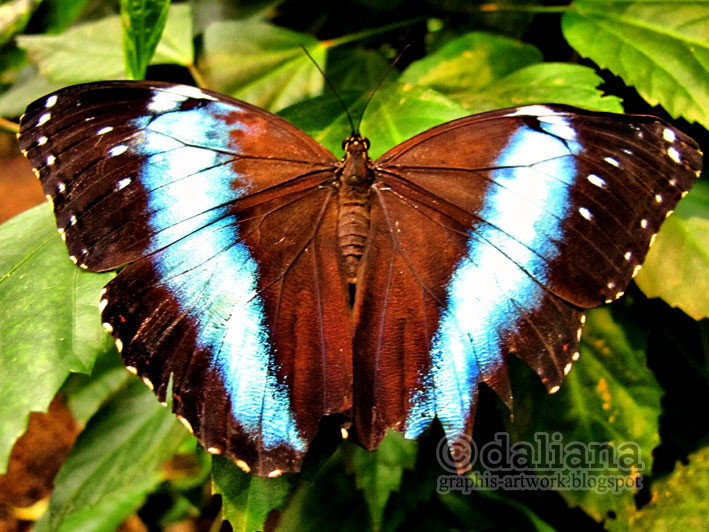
(41,141)
(50,101)
(107,327)
(191,92)
(567,368)
(532,110)
(275,473)
(117,150)
(576,356)
(595,180)
(132,369)
(123,183)
(243,466)
(585,213)
(643,223)
(214,450)
(104,130)
(669,135)
(674,155)
(148,383)
(554,389)
(43,119)
(185,423)
(102,304)
(611,160)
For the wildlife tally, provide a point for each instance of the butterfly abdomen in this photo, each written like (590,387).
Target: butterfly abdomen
(353,227)
(353,215)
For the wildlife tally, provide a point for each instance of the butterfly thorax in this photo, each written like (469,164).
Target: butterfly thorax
(355,178)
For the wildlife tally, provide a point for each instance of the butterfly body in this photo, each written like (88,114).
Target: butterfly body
(271,284)
(355,179)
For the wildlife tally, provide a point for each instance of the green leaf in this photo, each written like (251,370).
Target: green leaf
(261,63)
(356,69)
(114,464)
(677,267)
(176,46)
(379,473)
(470,63)
(85,394)
(662,48)
(247,499)
(488,509)
(396,113)
(49,320)
(542,83)
(609,396)
(679,501)
(14,16)
(57,15)
(143,22)
(484,72)
(67,59)
(329,502)
(28,86)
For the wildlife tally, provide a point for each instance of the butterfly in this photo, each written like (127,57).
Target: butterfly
(265,283)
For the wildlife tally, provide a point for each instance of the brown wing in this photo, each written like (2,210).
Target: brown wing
(490,234)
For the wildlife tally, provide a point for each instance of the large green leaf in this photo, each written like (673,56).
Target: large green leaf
(379,473)
(396,113)
(66,58)
(84,394)
(662,48)
(14,15)
(261,63)
(542,83)
(247,499)
(483,72)
(677,267)
(28,86)
(487,507)
(679,501)
(143,22)
(57,15)
(470,62)
(356,69)
(114,464)
(49,320)
(609,396)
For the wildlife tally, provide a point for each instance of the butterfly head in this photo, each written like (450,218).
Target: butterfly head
(355,165)
(355,144)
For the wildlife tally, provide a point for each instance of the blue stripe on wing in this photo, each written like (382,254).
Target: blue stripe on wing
(492,282)
(207,268)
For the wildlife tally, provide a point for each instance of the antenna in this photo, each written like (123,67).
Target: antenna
(379,84)
(332,88)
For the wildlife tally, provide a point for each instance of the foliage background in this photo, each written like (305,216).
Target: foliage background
(644,371)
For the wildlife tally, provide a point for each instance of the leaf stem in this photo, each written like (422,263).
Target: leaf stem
(8,125)
(197,76)
(530,8)
(346,39)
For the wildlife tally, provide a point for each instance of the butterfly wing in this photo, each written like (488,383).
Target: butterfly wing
(226,218)
(490,235)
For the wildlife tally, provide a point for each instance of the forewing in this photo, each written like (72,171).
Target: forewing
(490,235)
(226,217)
